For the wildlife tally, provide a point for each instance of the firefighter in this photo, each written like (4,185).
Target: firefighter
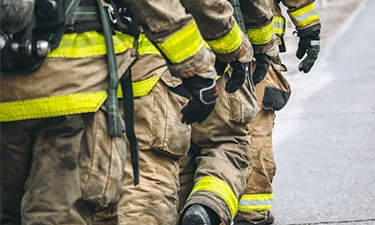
(162,137)
(59,158)
(273,93)
(213,173)
(63,149)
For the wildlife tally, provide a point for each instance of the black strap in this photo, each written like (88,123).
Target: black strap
(112,102)
(128,99)
(70,6)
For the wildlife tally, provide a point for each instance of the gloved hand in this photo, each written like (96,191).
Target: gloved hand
(239,73)
(308,45)
(262,63)
(203,94)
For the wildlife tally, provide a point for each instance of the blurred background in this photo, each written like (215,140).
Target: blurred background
(324,138)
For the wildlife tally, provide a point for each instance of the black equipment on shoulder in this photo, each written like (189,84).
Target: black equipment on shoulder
(27,49)
(15,15)
(122,18)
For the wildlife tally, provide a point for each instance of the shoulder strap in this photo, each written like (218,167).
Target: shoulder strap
(70,6)
(112,100)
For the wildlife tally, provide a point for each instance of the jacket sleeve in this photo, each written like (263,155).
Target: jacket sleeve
(258,18)
(219,29)
(176,35)
(303,13)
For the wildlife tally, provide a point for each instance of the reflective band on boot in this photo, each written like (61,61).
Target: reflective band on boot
(220,188)
(255,202)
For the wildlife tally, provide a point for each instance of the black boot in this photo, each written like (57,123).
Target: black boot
(200,215)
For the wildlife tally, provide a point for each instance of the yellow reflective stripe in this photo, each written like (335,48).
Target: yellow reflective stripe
(145,46)
(65,105)
(255,202)
(279,24)
(229,43)
(304,16)
(88,44)
(219,187)
(261,36)
(141,88)
(182,44)
(51,106)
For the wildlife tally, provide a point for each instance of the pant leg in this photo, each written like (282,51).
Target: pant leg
(272,94)
(15,162)
(223,161)
(187,172)
(71,167)
(163,139)
(50,162)
(257,199)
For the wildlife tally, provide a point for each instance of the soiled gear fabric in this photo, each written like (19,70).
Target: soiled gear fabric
(163,139)
(176,35)
(215,171)
(224,36)
(279,22)
(258,19)
(307,23)
(220,29)
(258,23)
(58,162)
(272,94)
(303,13)
(73,164)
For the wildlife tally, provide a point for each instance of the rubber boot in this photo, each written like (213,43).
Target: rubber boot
(200,215)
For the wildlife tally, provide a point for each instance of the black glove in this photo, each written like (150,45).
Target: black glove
(239,73)
(203,94)
(308,44)
(262,63)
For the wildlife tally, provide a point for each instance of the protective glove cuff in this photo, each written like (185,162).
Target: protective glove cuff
(312,31)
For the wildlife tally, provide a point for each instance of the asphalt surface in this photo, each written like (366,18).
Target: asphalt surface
(324,139)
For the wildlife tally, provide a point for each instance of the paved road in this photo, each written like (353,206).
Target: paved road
(325,137)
